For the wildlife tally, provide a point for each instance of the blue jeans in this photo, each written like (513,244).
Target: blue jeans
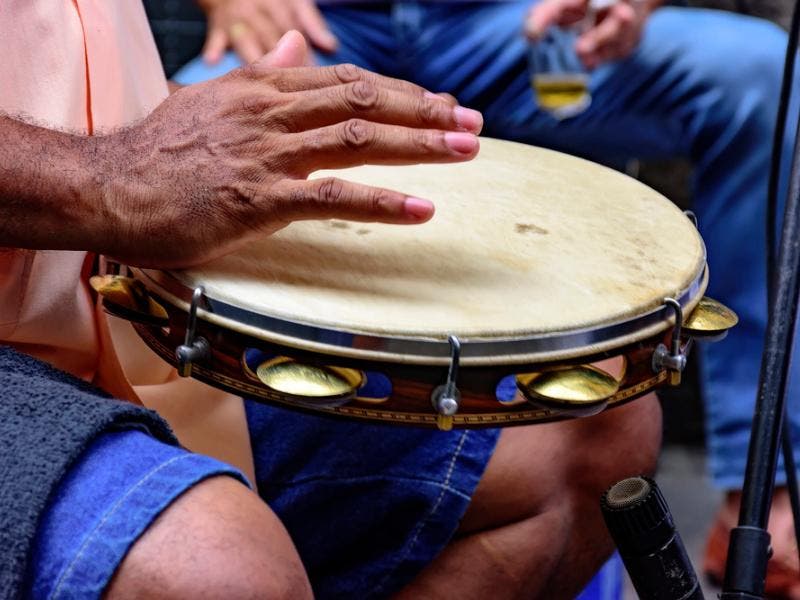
(367,506)
(703,85)
(118,487)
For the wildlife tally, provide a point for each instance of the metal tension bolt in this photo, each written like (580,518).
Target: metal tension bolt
(446,398)
(671,359)
(193,349)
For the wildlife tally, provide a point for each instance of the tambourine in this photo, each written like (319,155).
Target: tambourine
(536,267)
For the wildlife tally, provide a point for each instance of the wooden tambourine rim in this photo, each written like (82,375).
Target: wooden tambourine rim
(225,370)
(564,345)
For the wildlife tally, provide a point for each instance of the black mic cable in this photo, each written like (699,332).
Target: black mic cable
(641,525)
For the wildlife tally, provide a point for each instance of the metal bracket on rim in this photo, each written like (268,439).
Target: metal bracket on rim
(422,350)
(671,359)
(194,348)
(690,214)
(446,398)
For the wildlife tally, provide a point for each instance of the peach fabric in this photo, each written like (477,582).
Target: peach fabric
(89,67)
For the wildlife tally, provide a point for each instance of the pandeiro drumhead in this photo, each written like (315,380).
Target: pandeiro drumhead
(531,254)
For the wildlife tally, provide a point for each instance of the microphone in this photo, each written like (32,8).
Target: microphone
(640,523)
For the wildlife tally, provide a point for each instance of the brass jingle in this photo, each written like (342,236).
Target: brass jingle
(567,389)
(710,319)
(129,299)
(313,385)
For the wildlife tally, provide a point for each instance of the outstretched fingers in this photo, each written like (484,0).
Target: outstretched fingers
(365,100)
(216,42)
(329,198)
(312,97)
(358,142)
(311,21)
(308,78)
(614,37)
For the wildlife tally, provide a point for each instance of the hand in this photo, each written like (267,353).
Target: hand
(614,35)
(225,161)
(253,27)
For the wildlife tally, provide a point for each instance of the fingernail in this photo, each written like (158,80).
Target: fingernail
(468,119)
(463,143)
(418,208)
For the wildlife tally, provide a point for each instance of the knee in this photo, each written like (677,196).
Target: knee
(218,540)
(218,575)
(744,79)
(759,62)
(721,48)
(731,87)
(246,571)
(641,426)
(616,444)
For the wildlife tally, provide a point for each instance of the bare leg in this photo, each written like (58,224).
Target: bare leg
(218,540)
(534,527)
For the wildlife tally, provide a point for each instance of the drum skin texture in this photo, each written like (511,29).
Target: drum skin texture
(535,265)
(524,241)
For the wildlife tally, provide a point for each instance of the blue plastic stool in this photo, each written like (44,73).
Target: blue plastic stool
(607,584)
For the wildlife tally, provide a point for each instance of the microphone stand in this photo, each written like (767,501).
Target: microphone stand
(749,550)
(772,209)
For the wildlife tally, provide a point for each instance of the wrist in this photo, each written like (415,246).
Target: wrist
(101,188)
(134,179)
(80,218)
(47,189)
(120,167)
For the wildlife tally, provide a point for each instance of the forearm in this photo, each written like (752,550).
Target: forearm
(49,189)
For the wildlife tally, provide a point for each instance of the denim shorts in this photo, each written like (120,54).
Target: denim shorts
(368,506)
(121,483)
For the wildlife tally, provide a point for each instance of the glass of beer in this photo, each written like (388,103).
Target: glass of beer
(559,78)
